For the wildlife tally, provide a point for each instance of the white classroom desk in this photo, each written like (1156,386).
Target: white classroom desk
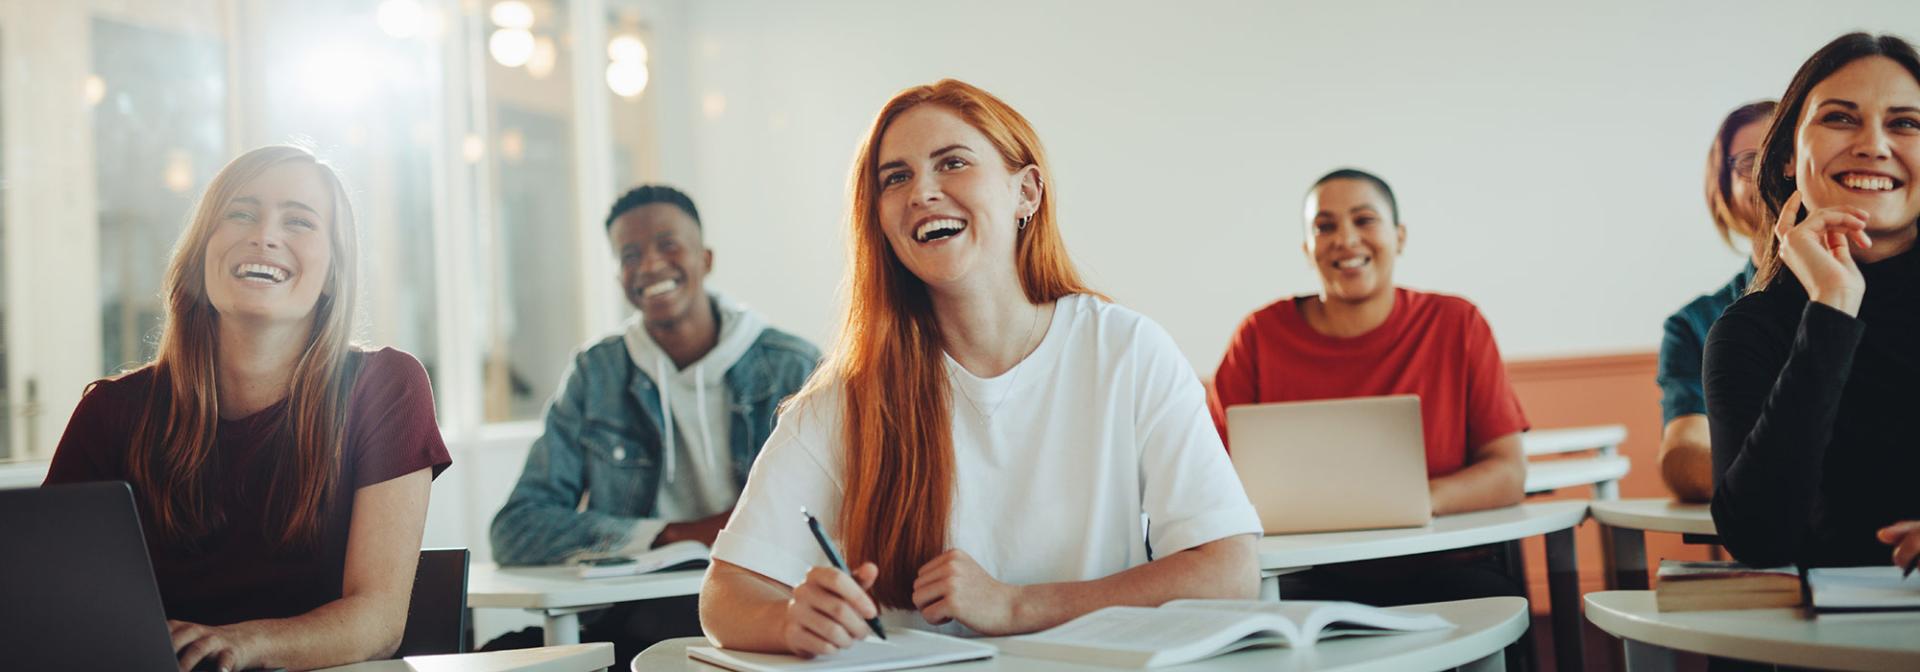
(1776,636)
(1486,626)
(1288,553)
(1628,521)
(559,595)
(572,658)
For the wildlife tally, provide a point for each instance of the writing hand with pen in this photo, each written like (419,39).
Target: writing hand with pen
(1904,537)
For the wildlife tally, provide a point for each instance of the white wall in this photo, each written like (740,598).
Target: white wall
(1548,159)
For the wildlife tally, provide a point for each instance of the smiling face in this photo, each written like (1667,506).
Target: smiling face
(270,254)
(947,202)
(663,261)
(1352,240)
(1857,143)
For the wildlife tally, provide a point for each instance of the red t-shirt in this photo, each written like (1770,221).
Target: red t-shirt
(238,572)
(1432,345)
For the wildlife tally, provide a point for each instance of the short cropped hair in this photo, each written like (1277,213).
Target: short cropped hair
(649,194)
(1357,174)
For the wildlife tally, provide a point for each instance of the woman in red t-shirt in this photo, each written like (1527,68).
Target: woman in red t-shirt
(282,474)
(1361,336)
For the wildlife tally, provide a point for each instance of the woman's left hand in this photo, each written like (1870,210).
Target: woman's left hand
(1904,537)
(952,587)
(226,647)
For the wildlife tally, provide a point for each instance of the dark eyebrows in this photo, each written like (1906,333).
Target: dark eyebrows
(1363,208)
(1843,103)
(1905,110)
(949,148)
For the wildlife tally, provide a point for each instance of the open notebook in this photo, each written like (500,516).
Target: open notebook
(677,555)
(902,649)
(1188,630)
(1859,590)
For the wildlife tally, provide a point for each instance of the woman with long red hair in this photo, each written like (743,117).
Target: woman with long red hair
(281,472)
(987,434)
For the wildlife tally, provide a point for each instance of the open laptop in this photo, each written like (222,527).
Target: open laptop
(1339,464)
(79,592)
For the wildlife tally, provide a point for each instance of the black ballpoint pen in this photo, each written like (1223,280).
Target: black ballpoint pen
(833,556)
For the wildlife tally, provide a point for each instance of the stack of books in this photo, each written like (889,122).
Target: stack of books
(1701,586)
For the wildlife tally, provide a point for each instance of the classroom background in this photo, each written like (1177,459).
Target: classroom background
(1548,160)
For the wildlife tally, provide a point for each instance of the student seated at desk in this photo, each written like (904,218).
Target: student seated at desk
(1686,456)
(1362,336)
(987,433)
(1813,378)
(653,428)
(281,473)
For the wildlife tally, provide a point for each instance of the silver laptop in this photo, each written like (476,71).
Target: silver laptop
(1339,464)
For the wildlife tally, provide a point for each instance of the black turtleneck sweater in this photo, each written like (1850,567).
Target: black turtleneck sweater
(1815,419)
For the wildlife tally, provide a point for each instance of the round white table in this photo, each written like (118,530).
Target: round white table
(1486,626)
(559,595)
(1627,522)
(1286,553)
(1776,636)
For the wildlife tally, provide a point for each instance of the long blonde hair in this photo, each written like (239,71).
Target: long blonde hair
(171,461)
(898,426)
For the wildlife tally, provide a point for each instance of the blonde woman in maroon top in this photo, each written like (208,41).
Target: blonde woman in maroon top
(282,474)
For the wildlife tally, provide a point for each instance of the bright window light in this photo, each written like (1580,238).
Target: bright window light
(401,18)
(627,78)
(626,48)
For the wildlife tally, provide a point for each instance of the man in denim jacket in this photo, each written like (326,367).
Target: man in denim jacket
(650,437)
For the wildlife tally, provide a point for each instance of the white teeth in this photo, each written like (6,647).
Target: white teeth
(927,230)
(660,287)
(1355,262)
(1867,183)
(271,273)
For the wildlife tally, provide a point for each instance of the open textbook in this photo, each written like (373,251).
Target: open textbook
(902,649)
(1188,630)
(677,555)
(1844,590)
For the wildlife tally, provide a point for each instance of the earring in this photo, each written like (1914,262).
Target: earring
(1024,220)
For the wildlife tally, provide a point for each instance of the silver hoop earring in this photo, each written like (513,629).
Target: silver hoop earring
(1024,220)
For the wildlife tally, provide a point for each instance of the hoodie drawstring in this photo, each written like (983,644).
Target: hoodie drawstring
(666,412)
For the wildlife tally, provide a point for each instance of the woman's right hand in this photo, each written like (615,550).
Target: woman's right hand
(1816,250)
(829,610)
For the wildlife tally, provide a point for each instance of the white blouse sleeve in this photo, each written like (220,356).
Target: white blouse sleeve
(1188,487)
(766,533)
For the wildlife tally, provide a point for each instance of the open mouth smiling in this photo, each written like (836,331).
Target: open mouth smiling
(938,228)
(659,288)
(1867,182)
(262,273)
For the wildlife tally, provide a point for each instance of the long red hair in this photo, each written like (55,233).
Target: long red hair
(898,421)
(171,461)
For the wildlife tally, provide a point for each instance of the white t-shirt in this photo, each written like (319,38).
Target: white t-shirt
(1104,422)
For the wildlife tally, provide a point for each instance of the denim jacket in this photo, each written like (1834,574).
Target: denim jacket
(603,442)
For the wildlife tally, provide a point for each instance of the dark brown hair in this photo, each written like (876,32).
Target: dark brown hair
(1776,154)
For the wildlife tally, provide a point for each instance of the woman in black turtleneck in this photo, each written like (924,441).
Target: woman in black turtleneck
(1813,379)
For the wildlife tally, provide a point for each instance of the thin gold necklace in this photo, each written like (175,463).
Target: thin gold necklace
(1011,381)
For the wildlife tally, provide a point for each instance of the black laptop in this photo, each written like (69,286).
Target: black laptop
(76,588)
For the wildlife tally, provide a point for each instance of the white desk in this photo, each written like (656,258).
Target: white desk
(559,595)
(1777,636)
(1603,473)
(1628,521)
(1286,553)
(1486,626)
(573,658)
(1604,438)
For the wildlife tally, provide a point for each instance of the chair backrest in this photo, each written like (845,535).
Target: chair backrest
(1603,470)
(437,612)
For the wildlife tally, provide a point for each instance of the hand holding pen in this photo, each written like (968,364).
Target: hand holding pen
(1904,537)
(830,609)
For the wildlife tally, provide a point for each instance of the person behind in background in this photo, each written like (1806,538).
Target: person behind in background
(650,436)
(282,473)
(1813,377)
(1361,336)
(987,433)
(1686,459)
